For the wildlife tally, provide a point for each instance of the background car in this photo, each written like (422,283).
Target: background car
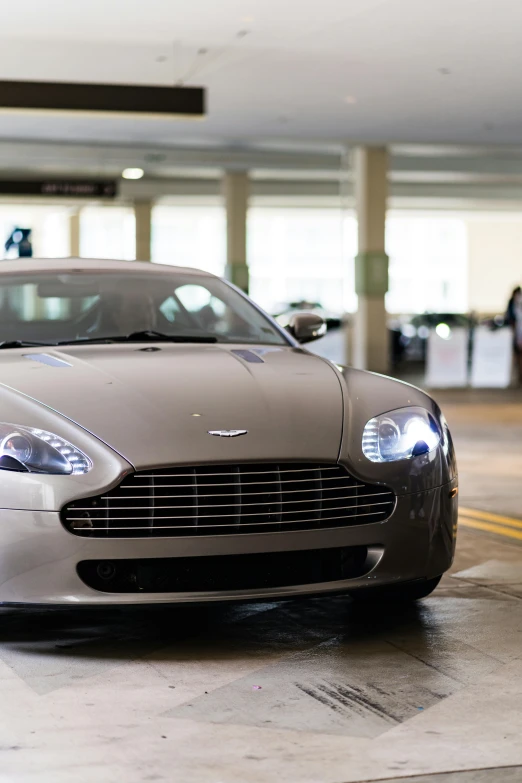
(409,334)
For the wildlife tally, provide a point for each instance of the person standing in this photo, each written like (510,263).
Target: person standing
(514,320)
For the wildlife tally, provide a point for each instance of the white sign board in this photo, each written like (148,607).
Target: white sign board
(447,365)
(492,359)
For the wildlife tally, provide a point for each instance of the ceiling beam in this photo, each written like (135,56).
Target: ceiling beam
(155,158)
(501,169)
(496,164)
(157,189)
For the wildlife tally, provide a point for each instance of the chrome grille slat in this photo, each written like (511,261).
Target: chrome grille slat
(224,494)
(216,505)
(248,483)
(249,498)
(248,514)
(234,524)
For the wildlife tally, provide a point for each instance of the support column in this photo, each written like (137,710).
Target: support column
(74,234)
(371,343)
(235,191)
(143,216)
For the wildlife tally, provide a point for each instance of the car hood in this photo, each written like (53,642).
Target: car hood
(155,404)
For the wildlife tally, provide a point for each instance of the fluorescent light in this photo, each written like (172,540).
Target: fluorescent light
(132,173)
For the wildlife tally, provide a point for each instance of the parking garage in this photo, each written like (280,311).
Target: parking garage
(260,337)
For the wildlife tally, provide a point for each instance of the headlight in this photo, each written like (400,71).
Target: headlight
(28,449)
(400,434)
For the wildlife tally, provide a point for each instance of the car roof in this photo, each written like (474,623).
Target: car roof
(21,265)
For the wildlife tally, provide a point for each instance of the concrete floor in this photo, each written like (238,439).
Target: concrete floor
(318,691)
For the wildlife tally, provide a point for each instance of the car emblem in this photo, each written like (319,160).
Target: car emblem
(227,433)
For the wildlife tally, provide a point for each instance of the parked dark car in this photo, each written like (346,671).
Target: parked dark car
(410,337)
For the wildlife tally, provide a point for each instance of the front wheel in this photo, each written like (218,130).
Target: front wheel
(405,593)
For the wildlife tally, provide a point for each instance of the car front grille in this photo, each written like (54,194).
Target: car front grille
(229,499)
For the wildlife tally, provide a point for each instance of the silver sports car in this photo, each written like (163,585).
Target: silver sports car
(162,439)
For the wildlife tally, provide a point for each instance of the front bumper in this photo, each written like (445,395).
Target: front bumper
(39,558)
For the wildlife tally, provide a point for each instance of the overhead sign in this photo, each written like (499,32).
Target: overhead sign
(447,364)
(120,99)
(492,359)
(59,187)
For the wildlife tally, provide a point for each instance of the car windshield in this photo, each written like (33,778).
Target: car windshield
(62,307)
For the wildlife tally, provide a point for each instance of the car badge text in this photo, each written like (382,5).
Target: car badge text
(227,433)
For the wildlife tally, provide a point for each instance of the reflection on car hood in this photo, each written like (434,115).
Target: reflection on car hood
(155,404)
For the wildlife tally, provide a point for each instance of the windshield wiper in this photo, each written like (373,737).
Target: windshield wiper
(23,344)
(147,336)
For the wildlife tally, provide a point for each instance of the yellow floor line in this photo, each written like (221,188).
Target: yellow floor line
(491,527)
(488,516)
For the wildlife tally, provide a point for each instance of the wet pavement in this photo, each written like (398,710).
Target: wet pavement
(311,691)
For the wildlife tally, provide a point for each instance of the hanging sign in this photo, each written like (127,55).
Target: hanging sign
(76,188)
(142,100)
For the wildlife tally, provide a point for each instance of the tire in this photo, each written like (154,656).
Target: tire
(399,594)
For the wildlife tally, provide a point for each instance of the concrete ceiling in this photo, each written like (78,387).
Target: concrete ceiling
(280,72)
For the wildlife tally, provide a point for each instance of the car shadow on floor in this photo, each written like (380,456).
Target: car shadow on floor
(322,654)
(119,632)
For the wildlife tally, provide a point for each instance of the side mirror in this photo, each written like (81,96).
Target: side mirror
(305,327)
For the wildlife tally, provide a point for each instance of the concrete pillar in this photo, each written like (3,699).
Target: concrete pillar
(74,234)
(371,344)
(235,192)
(143,216)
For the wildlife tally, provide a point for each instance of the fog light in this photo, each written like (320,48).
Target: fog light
(106,571)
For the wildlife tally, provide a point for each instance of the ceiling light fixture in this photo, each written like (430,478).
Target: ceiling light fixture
(132,173)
